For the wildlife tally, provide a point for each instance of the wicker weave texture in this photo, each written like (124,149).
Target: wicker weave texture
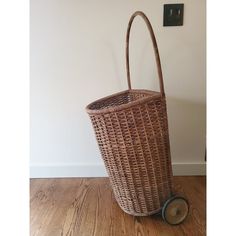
(131,128)
(134,144)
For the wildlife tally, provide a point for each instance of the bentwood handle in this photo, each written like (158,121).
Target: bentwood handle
(158,62)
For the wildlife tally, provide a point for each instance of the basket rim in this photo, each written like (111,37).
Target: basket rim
(153,94)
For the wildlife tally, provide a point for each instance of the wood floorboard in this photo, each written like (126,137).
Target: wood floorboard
(87,207)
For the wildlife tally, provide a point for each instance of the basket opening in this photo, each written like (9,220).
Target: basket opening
(119,99)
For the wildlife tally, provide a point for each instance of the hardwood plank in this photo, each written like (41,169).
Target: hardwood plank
(87,207)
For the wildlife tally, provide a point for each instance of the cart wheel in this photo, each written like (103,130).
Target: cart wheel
(175,210)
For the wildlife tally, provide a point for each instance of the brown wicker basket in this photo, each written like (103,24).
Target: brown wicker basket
(131,128)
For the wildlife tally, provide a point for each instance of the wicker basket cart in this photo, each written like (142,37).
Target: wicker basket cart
(131,128)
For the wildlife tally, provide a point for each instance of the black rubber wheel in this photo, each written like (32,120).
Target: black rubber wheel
(175,210)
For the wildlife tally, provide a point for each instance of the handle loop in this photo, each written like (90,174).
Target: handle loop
(158,62)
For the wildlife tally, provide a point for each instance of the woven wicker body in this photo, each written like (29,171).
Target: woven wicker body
(131,128)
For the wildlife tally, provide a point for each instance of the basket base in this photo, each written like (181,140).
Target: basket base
(133,213)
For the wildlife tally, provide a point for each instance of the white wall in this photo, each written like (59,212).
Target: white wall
(77,56)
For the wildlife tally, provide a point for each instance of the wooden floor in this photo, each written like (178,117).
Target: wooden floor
(86,207)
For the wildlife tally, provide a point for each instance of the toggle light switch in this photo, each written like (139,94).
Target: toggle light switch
(173,14)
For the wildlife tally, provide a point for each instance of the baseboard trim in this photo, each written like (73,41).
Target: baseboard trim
(98,170)
(63,171)
(181,169)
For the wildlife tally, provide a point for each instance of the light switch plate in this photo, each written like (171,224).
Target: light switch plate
(173,14)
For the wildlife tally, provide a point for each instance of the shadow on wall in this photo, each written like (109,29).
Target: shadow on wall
(187,130)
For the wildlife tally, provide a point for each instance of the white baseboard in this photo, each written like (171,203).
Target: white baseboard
(98,170)
(180,169)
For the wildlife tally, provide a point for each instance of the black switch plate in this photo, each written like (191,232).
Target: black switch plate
(173,14)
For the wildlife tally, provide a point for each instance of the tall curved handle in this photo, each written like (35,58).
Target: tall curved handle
(158,62)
